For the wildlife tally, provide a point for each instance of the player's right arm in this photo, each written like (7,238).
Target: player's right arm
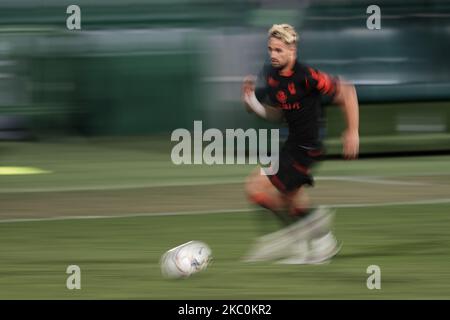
(252,103)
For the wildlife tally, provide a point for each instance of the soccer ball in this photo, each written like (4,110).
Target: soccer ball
(186,259)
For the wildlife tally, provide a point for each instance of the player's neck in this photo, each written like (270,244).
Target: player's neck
(288,70)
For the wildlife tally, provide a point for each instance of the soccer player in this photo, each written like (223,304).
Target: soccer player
(292,92)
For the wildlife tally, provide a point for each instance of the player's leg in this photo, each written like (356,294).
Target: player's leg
(319,245)
(283,192)
(298,203)
(290,207)
(261,191)
(305,224)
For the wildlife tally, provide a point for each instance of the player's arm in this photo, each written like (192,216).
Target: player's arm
(265,112)
(347,99)
(253,105)
(343,94)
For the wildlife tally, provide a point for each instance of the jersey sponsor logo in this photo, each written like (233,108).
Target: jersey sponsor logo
(290,106)
(272,82)
(281,97)
(291,88)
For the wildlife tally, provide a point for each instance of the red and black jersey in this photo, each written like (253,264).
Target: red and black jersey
(300,95)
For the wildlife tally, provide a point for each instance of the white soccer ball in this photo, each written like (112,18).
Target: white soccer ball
(186,259)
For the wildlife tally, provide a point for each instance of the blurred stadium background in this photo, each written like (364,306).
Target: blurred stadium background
(85,123)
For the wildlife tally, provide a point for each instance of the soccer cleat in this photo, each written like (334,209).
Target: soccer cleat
(279,244)
(315,251)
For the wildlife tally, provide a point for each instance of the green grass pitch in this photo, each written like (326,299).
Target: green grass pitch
(394,213)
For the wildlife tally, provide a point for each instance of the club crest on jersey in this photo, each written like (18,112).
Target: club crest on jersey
(291,88)
(272,82)
(281,96)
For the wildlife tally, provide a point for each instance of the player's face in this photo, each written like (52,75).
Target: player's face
(280,53)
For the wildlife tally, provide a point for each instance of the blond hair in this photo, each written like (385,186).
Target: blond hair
(284,32)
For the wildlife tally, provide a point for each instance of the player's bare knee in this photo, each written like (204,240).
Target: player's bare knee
(298,202)
(249,185)
(257,190)
(253,183)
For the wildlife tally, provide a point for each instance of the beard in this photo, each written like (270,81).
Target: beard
(278,65)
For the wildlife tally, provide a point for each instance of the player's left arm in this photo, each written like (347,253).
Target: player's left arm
(347,99)
(252,103)
(343,94)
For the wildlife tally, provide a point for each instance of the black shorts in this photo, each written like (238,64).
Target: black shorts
(294,170)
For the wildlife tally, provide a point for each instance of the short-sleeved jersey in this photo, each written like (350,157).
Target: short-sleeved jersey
(300,95)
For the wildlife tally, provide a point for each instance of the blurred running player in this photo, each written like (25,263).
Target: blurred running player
(289,91)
